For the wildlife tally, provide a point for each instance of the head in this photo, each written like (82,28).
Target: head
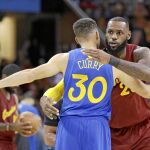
(9,70)
(86,30)
(117,35)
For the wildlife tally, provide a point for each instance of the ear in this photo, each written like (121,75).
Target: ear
(97,35)
(129,35)
(77,40)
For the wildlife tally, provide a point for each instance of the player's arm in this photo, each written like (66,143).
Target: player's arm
(16,126)
(50,97)
(134,84)
(50,131)
(139,69)
(55,93)
(55,65)
(49,135)
(19,127)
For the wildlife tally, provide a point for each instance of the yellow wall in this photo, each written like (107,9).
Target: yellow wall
(8,38)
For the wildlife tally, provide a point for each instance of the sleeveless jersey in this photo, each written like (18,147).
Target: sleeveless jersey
(88,86)
(128,108)
(8,114)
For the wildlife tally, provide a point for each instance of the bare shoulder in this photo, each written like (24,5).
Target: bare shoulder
(60,60)
(60,57)
(141,53)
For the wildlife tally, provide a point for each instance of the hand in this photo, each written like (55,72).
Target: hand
(97,55)
(49,110)
(20,127)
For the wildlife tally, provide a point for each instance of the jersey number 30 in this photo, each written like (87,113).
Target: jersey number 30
(88,89)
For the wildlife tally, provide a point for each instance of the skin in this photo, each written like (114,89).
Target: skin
(24,128)
(58,63)
(115,32)
(49,135)
(118,32)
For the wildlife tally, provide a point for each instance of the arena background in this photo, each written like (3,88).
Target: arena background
(32,31)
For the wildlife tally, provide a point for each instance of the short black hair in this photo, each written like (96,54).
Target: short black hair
(84,26)
(120,19)
(10,69)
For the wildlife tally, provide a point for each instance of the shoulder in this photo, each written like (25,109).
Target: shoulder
(140,53)
(140,49)
(60,57)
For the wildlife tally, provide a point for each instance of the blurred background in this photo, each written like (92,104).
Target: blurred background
(32,31)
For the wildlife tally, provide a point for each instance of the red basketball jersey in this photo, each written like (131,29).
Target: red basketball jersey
(128,108)
(8,114)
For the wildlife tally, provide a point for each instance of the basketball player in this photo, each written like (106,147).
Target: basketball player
(130,120)
(129,132)
(50,127)
(8,113)
(87,84)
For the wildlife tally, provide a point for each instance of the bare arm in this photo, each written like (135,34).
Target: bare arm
(55,65)
(50,97)
(135,85)
(49,135)
(24,128)
(139,69)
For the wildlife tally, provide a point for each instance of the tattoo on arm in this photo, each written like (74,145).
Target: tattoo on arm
(114,61)
(136,70)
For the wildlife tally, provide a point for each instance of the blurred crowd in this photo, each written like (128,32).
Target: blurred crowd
(34,52)
(138,14)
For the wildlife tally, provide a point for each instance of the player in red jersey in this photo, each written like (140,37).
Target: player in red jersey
(130,121)
(8,114)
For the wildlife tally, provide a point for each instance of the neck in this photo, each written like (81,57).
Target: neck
(89,45)
(122,54)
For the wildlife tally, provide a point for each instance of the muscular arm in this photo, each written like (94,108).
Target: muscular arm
(55,65)
(139,69)
(56,92)
(134,84)
(50,97)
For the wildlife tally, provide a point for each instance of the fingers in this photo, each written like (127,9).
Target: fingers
(51,116)
(26,128)
(26,134)
(53,110)
(93,59)
(90,50)
(91,53)
(49,110)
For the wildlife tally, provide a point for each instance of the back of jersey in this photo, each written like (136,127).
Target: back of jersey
(87,87)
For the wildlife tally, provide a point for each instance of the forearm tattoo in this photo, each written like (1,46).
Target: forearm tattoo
(114,61)
(137,70)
